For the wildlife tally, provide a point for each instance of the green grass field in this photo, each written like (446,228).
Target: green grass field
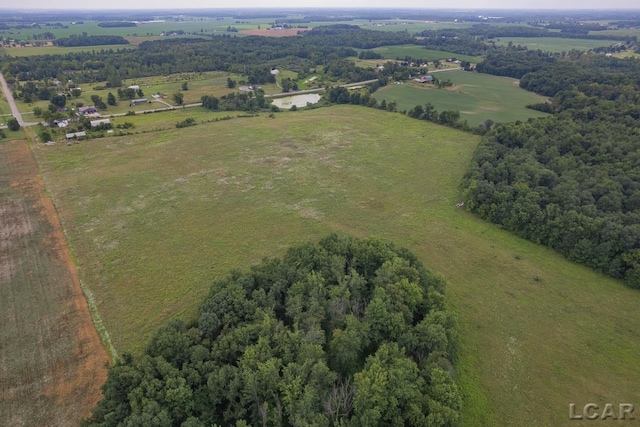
(552,44)
(55,50)
(477,96)
(413,51)
(5,110)
(153,219)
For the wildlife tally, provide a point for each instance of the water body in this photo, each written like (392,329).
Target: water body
(299,101)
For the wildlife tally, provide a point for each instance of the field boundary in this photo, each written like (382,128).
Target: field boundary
(105,338)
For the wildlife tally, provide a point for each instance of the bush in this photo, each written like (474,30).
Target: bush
(186,123)
(13,124)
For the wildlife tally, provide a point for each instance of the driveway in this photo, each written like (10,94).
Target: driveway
(12,103)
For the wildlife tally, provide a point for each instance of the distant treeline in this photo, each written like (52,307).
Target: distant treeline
(635,23)
(479,40)
(566,31)
(570,181)
(247,55)
(116,24)
(82,40)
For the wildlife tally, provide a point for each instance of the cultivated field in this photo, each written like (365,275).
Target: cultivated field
(477,96)
(52,363)
(154,218)
(551,44)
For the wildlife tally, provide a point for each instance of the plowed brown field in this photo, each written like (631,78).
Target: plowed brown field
(52,363)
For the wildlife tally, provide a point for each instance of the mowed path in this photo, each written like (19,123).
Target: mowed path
(52,363)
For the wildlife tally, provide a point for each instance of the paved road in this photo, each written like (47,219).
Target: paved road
(12,103)
(445,69)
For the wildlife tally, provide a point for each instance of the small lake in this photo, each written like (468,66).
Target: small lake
(286,102)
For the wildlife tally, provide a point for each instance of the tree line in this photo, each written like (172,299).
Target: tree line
(336,333)
(321,46)
(570,181)
(85,40)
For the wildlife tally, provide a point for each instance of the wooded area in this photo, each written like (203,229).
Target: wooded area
(342,331)
(570,181)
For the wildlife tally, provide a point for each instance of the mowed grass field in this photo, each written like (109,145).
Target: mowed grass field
(51,359)
(477,96)
(553,44)
(419,52)
(154,218)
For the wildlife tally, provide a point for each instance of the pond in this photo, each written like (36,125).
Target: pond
(299,101)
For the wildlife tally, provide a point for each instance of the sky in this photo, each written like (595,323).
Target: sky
(421,4)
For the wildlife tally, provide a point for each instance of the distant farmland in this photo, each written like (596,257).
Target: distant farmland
(419,52)
(478,97)
(552,44)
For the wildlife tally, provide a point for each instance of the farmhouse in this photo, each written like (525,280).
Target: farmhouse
(88,110)
(134,87)
(139,101)
(62,123)
(95,123)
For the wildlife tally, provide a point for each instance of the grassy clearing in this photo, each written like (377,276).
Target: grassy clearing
(413,51)
(5,110)
(477,96)
(552,44)
(51,359)
(154,218)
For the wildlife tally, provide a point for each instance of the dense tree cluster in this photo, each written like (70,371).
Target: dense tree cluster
(353,36)
(515,63)
(548,74)
(85,40)
(343,333)
(570,181)
(117,24)
(455,41)
(253,101)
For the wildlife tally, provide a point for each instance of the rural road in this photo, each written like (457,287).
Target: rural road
(12,103)
(18,115)
(319,89)
(273,95)
(445,69)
